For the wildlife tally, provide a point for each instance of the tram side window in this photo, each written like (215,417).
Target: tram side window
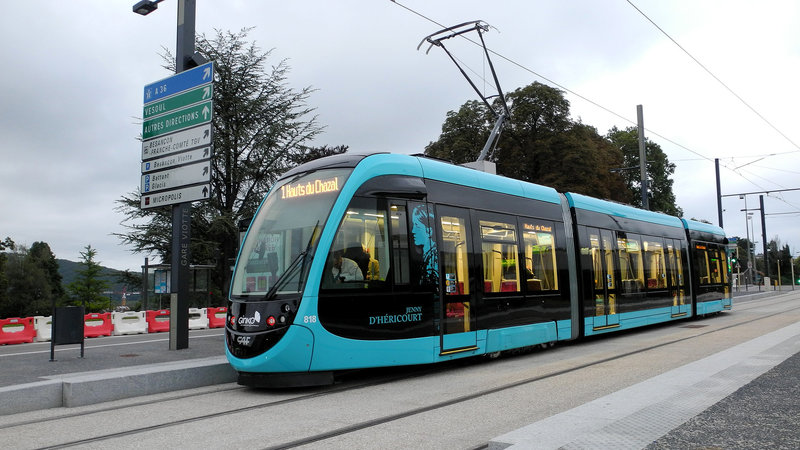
(702,263)
(711,264)
(538,248)
(630,263)
(715,264)
(655,264)
(597,262)
(722,264)
(500,250)
(675,263)
(399,235)
(675,270)
(455,255)
(359,256)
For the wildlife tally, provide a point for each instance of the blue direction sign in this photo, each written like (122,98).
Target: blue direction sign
(188,79)
(176,138)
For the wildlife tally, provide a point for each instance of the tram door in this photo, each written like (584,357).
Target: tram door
(457,329)
(605,284)
(676,279)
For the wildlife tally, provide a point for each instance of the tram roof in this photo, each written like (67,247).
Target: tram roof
(433,169)
(585,202)
(704,227)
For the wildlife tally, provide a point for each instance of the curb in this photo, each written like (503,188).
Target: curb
(88,388)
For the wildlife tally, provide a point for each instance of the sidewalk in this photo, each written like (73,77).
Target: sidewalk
(113,368)
(689,407)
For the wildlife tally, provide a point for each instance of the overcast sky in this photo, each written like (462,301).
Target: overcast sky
(73,74)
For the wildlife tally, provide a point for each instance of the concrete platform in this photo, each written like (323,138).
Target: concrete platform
(86,388)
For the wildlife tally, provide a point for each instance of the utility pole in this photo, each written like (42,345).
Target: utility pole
(642,156)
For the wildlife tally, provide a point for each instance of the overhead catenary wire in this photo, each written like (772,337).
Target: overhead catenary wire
(559,85)
(715,77)
(730,167)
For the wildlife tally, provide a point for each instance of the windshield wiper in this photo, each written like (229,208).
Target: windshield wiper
(298,262)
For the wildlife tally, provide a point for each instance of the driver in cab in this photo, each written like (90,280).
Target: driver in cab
(345,269)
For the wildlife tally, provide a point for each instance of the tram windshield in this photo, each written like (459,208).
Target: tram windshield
(276,254)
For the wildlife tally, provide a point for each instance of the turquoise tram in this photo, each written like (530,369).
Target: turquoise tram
(357,261)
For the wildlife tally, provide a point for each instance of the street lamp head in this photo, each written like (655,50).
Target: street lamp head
(145,7)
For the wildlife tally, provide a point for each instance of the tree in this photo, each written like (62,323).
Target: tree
(41,256)
(779,257)
(6,244)
(29,280)
(464,134)
(796,265)
(87,289)
(539,143)
(260,128)
(659,169)
(746,261)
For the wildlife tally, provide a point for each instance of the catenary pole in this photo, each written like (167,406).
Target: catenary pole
(719,193)
(642,156)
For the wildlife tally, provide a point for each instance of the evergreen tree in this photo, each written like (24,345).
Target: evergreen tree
(261,126)
(87,289)
(7,244)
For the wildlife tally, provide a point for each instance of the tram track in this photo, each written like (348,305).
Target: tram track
(336,389)
(390,418)
(345,430)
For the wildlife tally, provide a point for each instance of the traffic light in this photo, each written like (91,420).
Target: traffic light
(733,260)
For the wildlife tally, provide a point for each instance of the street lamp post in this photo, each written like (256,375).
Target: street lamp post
(145,7)
(748,272)
(751,252)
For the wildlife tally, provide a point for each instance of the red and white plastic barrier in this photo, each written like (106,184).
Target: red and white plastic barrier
(198,319)
(16,330)
(129,322)
(44,327)
(216,316)
(97,324)
(158,321)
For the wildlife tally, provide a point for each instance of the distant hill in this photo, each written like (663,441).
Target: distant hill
(69,272)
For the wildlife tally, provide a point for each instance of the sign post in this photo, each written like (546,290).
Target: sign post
(176,157)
